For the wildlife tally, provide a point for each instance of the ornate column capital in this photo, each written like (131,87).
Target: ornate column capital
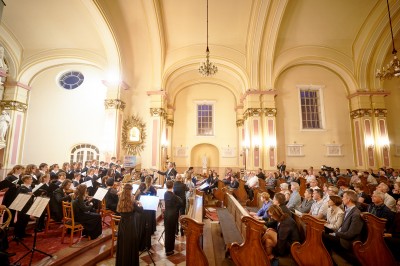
(14,105)
(239,122)
(114,104)
(170,122)
(269,111)
(364,112)
(158,112)
(380,112)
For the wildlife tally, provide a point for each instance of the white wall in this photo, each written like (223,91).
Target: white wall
(58,119)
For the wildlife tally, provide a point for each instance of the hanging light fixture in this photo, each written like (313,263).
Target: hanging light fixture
(393,68)
(207,68)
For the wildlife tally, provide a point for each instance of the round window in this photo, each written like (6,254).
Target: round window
(71,80)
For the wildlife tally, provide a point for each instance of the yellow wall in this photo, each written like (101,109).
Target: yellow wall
(337,119)
(184,130)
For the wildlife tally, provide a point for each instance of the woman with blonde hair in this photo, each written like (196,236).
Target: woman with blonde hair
(91,221)
(127,241)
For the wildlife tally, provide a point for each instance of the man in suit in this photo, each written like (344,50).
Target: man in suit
(342,240)
(170,174)
(180,190)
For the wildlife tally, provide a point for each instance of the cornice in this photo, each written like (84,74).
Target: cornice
(368,93)
(158,112)
(270,112)
(364,112)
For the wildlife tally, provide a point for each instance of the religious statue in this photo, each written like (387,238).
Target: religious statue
(4,123)
(134,134)
(204,161)
(3,65)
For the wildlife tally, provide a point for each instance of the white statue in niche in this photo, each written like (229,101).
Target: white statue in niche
(204,161)
(3,65)
(4,123)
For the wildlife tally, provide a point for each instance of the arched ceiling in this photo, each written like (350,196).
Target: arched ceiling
(157,43)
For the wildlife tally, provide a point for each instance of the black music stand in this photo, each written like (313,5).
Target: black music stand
(37,215)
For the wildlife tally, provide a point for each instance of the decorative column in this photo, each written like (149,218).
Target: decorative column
(167,138)
(158,130)
(364,138)
(372,148)
(242,151)
(114,113)
(14,102)
(269,129)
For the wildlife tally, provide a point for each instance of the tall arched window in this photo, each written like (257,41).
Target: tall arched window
(84,152)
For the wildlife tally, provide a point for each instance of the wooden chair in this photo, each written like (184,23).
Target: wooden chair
(104,212)
(115,219)
(48,219)
(240,193)
(374,250)
(69,222)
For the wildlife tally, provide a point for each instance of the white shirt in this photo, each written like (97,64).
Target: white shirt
(252,182)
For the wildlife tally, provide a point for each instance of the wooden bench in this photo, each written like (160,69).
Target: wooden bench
(230,221)
(241,193)
(311,230)
(193,225)
(374,250)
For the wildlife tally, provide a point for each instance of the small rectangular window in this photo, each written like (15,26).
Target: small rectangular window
(310,106)
(204,120)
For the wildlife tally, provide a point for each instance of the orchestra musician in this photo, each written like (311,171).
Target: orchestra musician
(82,205)
(23,218)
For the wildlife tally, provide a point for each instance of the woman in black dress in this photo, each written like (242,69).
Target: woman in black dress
(10,195)
(171,215)
(127,241)
(91,221)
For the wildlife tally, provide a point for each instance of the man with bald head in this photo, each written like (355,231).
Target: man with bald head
(389,201)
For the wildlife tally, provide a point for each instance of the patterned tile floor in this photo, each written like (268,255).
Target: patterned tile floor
(158,251)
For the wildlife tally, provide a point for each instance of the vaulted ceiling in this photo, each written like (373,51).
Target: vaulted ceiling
(159,44)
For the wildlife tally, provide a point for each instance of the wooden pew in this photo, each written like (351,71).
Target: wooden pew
(241,193)
(219,193)
(374,251)
(303,186)
(193,225)
(312,251)
(256,198)
(251,251)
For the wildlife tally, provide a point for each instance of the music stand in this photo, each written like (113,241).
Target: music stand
(36,210)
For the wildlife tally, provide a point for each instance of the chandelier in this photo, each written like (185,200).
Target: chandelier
(393,68)
(207,68)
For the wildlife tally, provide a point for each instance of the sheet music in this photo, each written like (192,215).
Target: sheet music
(100,193)
(88,183)
(38,206)
(204,186)
(20,201)
(161,192)
(134,188)
(149,202)
(37,187)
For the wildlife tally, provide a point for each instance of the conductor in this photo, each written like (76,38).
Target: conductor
(170,174)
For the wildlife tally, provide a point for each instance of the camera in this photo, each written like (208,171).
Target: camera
(327,168)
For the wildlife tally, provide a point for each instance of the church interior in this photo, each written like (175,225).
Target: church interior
(208,84)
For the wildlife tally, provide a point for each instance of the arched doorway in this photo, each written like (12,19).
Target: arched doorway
(204,152)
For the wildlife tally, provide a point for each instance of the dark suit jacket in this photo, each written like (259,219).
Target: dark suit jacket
(351,228)
(287,234)
(169,174)
(180,190)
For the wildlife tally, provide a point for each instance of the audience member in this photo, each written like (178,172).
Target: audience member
(307,202)
(334,215)
(295,198)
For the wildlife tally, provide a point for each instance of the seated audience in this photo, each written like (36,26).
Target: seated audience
(341,241)
(91,221)
(334,215)
(295,198)
(362,196)
(251,183)
(285,190)
(379,209)
(318,209)
(314,183)
(343,186)
(278,243)
(395,193)
(307,202)
(389,200)
(263,211)
(234,183)
(278,200)
(354,178)
(261,174)
(270,181)
(370,179)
